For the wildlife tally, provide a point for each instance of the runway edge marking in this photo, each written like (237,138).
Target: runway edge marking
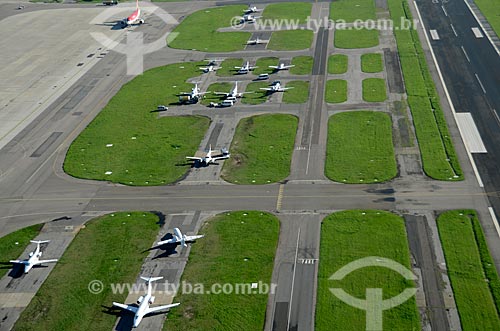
(494,218)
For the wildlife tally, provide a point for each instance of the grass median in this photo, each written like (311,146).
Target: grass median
(261,151)
(360,148)
(337,64)
(360,38)
(258,96)
(352,10)
(372,62)
(303,65)
(297,11)
(228,67)
(472,273)
(263,64)
(336,91)
(14,244)
(127,143)
(299,93)
(351,235)
(290,40)
(439,158)
(238,248)
(374,90)
(110,249)
(199,32)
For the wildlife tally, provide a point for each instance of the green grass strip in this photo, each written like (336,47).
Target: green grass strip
(290,40)
(261,151)
(374,90)
(337,64)
(263,64)
(352,10)
(436,147)
(299,93)
(346,237)
(14,244)
(360,148)
(228,67)
(146,150)
(491,10)
(297,11)
(238,248)
(303,65)
(259,96)
(362,38)
(198,31)
(471,270)
(336,91)
(110,249)
(372,62)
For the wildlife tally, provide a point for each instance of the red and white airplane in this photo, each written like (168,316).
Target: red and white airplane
(135,18)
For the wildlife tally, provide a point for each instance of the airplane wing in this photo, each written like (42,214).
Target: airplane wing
(126,307)
(19,261)
(191,238)
(267,88)
(274,67)
(289,66)
(194,158)
(238,67)
(155,309)
(45,261)
(221,93)
(168,241)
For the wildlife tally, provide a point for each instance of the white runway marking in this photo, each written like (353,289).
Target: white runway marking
(480,83)
(454,31)
(495,221)
(470,133)
(477,33)
(434,34)
(465,53)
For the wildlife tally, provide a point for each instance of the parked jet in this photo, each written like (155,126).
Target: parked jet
(257,41)
(144,301)
(34,257)
(276,87)
(251,9)
(179,237)
(248,18)
(209,158)
(282,66)
(210,68)
(246,68)
(233,93)
(135,18)
(193,96)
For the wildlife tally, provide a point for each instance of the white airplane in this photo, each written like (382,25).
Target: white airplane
(210,68)
(245,69)
(282,66)
(179,237)
(34,258)
(248,18)
(257,41)
(251,9)
(144,301)
(192,96)
(207,159)
(276,87)
(135,17)
(233,93)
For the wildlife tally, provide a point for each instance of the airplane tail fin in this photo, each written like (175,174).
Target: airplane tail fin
(137,4)
(39,241)
(151,279)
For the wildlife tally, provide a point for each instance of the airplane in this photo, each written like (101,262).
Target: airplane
(257,41)
(179,237)
(251,9)
(135,17)
(248,18)
(34,257)
(144,301)
(276,87)
(245,69)
(210,68)
(233,93)
(206,160)
(192,96)
(212,62)
(282,66)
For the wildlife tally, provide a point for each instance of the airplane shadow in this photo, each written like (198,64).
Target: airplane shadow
(16,269)
(115,25)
